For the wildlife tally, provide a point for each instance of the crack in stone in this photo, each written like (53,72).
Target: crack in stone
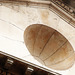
(12,24)
(11,39)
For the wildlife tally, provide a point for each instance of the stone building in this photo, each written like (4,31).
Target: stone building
(15,39)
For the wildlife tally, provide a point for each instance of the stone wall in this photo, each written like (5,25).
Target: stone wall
(14,19)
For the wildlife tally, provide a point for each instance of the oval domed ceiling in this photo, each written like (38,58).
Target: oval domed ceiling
(49,46)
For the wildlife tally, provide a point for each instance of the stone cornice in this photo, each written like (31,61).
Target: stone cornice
(66,12)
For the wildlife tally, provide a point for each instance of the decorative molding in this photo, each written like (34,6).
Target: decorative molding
(66,12)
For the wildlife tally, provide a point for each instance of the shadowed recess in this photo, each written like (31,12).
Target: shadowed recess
(48,45)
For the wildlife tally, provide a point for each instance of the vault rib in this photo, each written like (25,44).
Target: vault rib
(56,50)
(36,38)
(46,43)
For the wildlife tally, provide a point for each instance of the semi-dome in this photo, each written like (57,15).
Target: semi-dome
(49,46)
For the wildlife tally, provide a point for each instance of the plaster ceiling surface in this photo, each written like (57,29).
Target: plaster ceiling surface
(15,19)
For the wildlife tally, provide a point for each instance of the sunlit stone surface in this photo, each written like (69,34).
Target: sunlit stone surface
(15,19)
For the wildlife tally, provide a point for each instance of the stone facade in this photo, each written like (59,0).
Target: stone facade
(15,18)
